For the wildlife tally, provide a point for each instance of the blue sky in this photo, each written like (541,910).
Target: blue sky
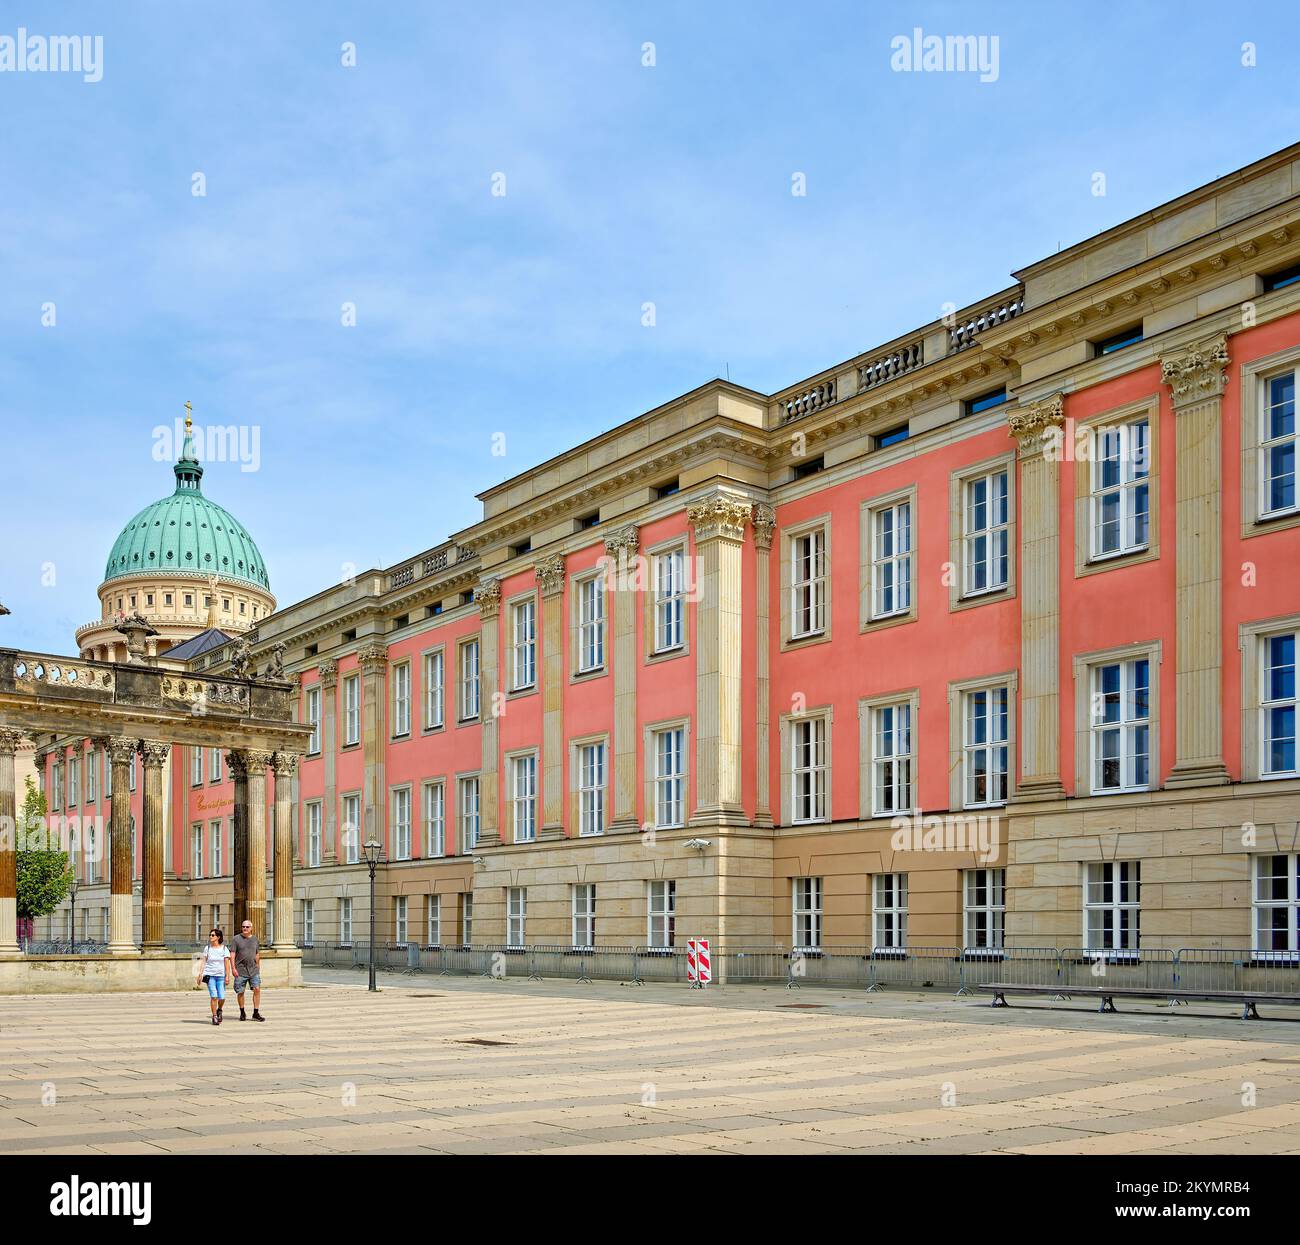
(521,314)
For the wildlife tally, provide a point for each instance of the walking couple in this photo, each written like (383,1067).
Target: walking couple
(218,963)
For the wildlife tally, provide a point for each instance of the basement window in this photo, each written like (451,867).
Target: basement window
(1117,341)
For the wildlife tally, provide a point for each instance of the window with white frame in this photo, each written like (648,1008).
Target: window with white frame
(467,655)
(351,829)
(985,533)
(345,922)
(108,775)
(1120,495)
(308,922)
(216,838)
(467,919)
(1277,705)
(808,584)
(984,908)
(92,766)
(661,914)
(670,599)
(402,698)
(56,784)
(889,911)
(1277,446)
(1112,897)
(352,709)
(314,819)
(196,766)
(1121,725)
(985,743)
(433,920)
(516,913)
(523,797)
(196,852)
(433,689)
(435,818)
(401,909)
(1276,903)
(200,936)
(402,823)
(891,759)
(591,624)
(313,718)
(584,914)
(524,643)
(92,855)
(591,788)
(467,812)
(808,764)
(74,777)
(807,909)
(669,777)
(214,765)
(891,560)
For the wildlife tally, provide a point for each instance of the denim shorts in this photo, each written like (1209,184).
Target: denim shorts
(242,983)
(216,987)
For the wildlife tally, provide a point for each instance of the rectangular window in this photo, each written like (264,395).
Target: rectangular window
(891,560)
(200,934)
(433,689)
(345,922)
(986,401)
(984,909)
(661,914)
(1120,495)
(92,855)
(308,922)
(669,777)
(74,772)
(1278,706)
(108,775)
(402,699)
(591,624)
(402,823)
(467,919)
(314,834)
(467,807)
(1112,894)
(352,710)
(524,643)
(92,765)
(891,759)
(196,852)
(1117,341)
(1277,903)
(216,836)
(196,767)
(889,911)
(435,818)
(433,920)
(584,914)
(351,829)
(807,908)
(516,912)
(401,909)
(670,599)
(808,769)
(214,764)
(985,747)
(523,797)
(1277,446)
(468,679)
(1121,726)
(591,788)
(808,584)
(985,540)
(56,784)
(313,717)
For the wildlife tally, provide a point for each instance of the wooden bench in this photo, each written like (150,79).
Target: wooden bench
(1108,994)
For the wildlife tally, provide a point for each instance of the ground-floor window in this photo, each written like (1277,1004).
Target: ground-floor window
(516,912)
(889,911)
(661,903)
(401,910)
(308,922)
(198,925)
(433,921)
(807,908)
(1112,896)
(345,922)
(584,915)
(467,919)
(984,908)
(1277,902)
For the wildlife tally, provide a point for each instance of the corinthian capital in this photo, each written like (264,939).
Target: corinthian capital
(1196,372)
(256,760)
(487,596)
(285,763)
(720,514)
(372,656)
(154,753)
(1031,424)
(764,526)
(329,673)
(624,542)
(550,575)
(10,741)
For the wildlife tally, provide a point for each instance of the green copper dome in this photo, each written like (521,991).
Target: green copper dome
(187,533)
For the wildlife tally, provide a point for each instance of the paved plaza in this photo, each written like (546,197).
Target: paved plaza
(461,1066)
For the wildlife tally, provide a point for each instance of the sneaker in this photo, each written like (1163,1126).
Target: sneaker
(258,1016)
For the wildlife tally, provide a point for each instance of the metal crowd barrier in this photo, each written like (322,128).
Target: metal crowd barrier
(1155,969)
(1269,972)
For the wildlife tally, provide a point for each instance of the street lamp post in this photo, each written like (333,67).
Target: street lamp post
(72,915)
(373,850)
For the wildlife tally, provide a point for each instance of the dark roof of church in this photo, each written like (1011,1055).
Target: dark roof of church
(197,645)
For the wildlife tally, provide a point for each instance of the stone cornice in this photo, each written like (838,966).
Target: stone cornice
(1196,372)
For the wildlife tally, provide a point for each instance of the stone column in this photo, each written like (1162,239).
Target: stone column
(622,546)
(154,755)
(121,934)
(329,682)
(764,527)
(488,597)
(1034,427)
(550,583)
(1196,376)
(238,838)
(285,765)
(256,760)
(9,743)
(373,660)
(719,522)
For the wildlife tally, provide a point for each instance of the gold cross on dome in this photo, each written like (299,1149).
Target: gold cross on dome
(188,421)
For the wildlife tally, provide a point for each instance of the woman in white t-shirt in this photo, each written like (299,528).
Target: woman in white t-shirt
(214,968)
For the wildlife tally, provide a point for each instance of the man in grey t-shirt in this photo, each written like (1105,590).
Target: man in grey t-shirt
(248,968)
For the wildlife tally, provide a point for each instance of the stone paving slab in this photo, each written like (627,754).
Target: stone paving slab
(595,1069)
